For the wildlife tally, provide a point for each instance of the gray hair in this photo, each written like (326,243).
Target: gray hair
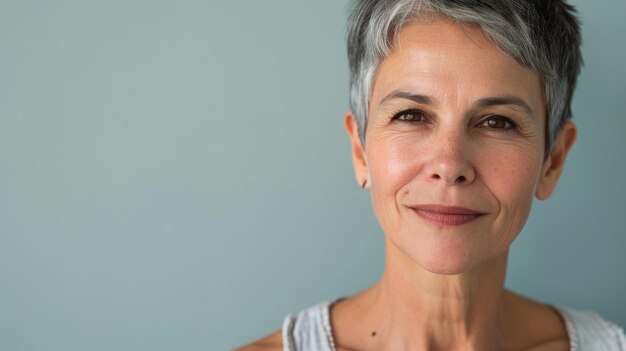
(542,35)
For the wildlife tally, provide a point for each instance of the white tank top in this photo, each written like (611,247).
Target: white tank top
(310,330)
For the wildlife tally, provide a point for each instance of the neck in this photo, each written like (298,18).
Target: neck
(421,310)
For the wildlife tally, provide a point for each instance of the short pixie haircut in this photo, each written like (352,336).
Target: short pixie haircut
(542,35)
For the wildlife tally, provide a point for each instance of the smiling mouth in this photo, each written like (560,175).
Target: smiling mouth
(446,216)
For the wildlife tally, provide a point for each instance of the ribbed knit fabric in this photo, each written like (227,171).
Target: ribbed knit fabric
(310,330)
(588,331)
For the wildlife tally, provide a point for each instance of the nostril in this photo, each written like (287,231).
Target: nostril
(459,180)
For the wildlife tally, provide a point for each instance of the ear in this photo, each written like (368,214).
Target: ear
(553,165)
(359,161)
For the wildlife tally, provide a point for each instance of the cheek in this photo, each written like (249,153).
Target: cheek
(512,178)
(392,163)
(513,173)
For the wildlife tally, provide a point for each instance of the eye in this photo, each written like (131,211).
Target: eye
(498,122)
(410,116)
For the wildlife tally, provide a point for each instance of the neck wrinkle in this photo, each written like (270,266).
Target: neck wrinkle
(421,310)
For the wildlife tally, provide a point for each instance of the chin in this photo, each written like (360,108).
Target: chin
(446,267)
(450,260)
(446,260)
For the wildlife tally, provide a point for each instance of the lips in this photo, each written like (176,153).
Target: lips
(446,216)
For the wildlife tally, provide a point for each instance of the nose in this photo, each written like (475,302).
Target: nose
(450,161)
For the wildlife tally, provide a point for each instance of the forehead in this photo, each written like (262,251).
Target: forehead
(449,60)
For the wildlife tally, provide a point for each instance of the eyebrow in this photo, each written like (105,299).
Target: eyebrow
(398,94)
(505,100)
(481,103)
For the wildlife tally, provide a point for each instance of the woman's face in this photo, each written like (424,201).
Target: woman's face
(454,147)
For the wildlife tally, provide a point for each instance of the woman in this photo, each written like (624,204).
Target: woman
(460,115)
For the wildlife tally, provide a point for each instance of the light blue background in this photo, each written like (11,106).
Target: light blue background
(174,175)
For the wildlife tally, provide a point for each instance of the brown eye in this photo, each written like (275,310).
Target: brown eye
(498,122)
(410,116)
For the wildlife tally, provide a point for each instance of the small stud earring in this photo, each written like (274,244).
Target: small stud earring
(364,183)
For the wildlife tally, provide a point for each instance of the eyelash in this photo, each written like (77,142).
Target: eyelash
(510,124)
(397,115)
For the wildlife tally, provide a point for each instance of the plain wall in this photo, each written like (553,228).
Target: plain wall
(174,175)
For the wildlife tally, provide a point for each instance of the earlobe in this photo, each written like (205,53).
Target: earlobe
(554,164)
(359,161)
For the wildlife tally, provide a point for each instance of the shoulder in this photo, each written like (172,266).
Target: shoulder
(309,329)
(590,331)
(272,342)
(538,327)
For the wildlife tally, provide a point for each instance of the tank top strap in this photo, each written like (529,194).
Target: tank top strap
(309,329)
(587,330)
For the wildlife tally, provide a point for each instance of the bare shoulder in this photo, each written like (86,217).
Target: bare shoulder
(561,344)
(543,326)
(272,342)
